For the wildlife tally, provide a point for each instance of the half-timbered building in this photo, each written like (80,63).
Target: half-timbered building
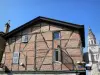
(45,45)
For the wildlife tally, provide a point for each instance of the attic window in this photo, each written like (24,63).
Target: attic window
(25,38)
(56,35)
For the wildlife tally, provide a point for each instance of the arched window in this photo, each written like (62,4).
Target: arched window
(95,57)
(91,41)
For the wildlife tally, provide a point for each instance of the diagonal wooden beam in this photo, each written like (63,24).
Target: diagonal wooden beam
(47,51)
(24,54)
(28,42)
(66,45)
(69,38)
(44,59)
(67,51)
(74,66)
(67,67)
(25,47)
(67,55)
(45,41)
(66,60)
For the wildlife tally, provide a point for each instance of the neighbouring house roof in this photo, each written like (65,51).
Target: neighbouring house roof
(2,33)
(49,20)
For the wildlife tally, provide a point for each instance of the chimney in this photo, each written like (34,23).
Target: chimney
(7,26)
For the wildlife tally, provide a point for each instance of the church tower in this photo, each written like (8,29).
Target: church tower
(93,52)
(91,38)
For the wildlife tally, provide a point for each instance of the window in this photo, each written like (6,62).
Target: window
(25,38)
(95,57)
(13,39)
(92,42)
(57,56)
(15,57)
(56,35)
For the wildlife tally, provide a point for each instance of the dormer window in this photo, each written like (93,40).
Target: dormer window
(25,38)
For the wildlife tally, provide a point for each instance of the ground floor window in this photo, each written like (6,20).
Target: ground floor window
(57,55)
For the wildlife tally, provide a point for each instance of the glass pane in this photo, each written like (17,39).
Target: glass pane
(15,60)
(56,55)
(16,54)
(56,35)
(15,57)
(25,38)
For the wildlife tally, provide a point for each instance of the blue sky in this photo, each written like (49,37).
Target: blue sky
(86,12)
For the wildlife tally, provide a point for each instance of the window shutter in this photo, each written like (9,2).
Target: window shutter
(25,38)
(15,57)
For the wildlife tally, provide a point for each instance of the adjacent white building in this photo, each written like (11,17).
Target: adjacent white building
(93,54)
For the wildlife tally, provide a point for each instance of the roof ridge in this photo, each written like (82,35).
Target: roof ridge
(42,17)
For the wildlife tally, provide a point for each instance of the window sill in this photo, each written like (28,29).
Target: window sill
(57,62)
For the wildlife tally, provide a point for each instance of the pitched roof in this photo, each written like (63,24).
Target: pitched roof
(49,20)
(2,33)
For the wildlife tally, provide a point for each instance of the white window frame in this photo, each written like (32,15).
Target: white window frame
(59,55)
(15,57)
(24,38)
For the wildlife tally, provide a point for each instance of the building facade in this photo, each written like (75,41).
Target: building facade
(93,54)
(45,45)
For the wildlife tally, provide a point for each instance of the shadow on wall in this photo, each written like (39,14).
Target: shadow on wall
(67,61)
(85,57)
